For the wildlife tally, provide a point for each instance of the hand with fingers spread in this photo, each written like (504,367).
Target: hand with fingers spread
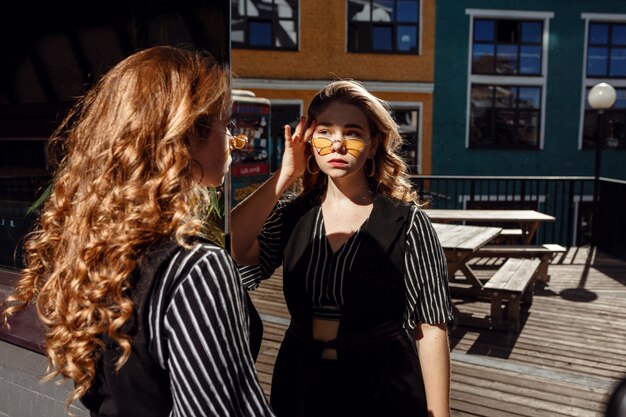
(294,158)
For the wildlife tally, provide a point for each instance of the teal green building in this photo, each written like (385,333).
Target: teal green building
(511,85)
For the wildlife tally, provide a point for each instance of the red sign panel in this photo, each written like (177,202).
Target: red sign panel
(261,168)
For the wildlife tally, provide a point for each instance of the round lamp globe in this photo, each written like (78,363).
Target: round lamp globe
(601,96)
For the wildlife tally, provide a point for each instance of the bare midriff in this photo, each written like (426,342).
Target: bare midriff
(326,330)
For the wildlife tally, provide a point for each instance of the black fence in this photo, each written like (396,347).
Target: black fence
(610,229)
(568,199)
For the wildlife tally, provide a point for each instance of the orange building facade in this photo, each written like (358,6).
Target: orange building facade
(384,45)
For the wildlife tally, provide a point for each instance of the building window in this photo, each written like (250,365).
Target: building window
(264,24)
(505,116)
(606,50)
(613,129)
(507,73)
(408,120)
(507,47)
(383,26)
(284,112)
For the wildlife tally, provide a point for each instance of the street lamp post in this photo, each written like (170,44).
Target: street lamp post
(601,97)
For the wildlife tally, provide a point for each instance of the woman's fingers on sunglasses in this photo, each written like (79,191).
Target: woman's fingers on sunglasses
(310,130)
(298,133)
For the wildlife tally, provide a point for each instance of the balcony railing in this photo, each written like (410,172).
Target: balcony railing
(568,199)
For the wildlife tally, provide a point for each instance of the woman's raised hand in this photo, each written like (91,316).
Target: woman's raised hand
(294,157)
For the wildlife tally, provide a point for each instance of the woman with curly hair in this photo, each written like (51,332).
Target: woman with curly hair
(364,274)
(145,315)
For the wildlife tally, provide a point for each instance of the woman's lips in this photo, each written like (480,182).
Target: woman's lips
(336,162)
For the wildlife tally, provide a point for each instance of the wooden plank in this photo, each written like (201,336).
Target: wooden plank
(514,275)
(470,238)
(488,215)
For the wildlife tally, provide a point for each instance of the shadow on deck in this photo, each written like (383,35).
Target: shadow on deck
(565,361)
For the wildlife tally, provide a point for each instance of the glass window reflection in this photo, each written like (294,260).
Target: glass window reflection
(383,26)
(264,24)
(516,46)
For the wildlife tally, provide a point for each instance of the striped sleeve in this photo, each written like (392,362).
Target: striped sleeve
(270,249)
(426,279)
(202,337)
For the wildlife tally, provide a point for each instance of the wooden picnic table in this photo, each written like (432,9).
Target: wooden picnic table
(528,221)
(460,243)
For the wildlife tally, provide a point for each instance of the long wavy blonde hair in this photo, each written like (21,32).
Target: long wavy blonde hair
(125,181)
(390,174)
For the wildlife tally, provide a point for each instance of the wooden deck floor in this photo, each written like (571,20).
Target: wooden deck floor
(565,361)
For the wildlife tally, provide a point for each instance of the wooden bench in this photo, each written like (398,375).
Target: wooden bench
(544,252)
(509,236)
(512,284)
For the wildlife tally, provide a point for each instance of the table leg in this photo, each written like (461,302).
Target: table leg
(459,263)
(528,231)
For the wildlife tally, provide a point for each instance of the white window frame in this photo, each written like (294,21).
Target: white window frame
(541,80)
(419,106)
(591,81)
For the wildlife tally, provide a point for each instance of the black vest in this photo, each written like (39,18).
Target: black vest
(374,350)
(141,387)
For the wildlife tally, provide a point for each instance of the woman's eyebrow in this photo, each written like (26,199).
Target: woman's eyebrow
(353,126)
(348,126)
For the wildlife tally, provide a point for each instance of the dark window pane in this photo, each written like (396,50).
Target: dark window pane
(616,129)
(260,33)
(529,97)
(408,11)
(618,62)
(531,32)
(484,30)
(506,59)
(505,128)
(359,37)
(505,96)
(407,38)
(507,31)
(528,130)
(598,34)
(282,114)
(618,36)
(482,59)
(620,99)
(530,60)
(511,121)
(382,11)
(358,11)
(597,61)
(382,38)
(407,120)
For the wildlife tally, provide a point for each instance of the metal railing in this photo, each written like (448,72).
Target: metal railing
(568,199)
(609,231)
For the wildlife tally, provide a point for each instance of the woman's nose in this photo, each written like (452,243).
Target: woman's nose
(338,146)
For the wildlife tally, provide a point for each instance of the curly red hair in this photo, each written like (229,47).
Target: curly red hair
(125,181)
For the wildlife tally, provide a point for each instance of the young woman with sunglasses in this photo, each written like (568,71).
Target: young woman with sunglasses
(364,274)
(144,314)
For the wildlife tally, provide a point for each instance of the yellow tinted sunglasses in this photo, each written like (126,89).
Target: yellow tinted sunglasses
(324,146)
(238,141)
